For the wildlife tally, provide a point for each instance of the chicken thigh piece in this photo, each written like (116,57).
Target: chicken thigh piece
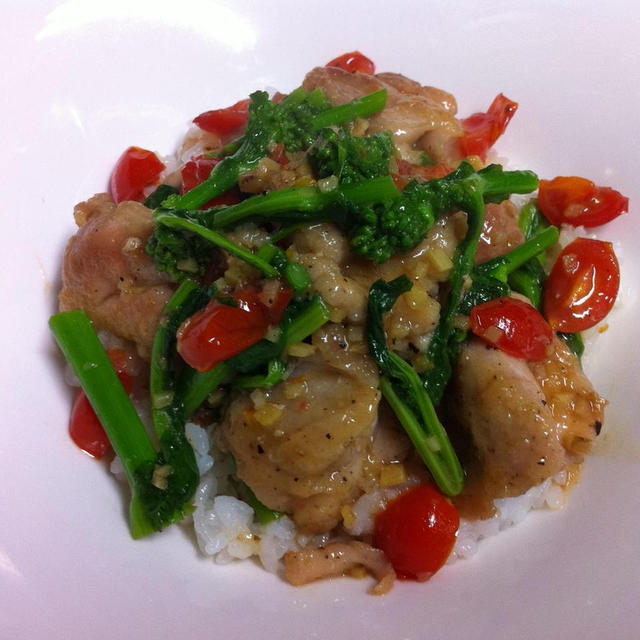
(412,113)
(521,433)
(302,447)
(107,273)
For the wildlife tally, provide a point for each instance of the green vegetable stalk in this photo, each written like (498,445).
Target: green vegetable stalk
(519,269)
(467,191)
(295,121)
(176,455)
(89,361)
(402,388)
(187,237)
(295,203)
(163,218)
(301,319)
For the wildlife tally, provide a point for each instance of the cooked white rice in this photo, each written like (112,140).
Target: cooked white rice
(227,530)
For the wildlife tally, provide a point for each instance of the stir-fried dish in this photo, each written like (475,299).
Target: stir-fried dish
(331,333)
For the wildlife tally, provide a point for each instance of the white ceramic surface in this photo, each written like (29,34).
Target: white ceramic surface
(83,80)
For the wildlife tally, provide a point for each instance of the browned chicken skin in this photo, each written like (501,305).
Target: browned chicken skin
(107,273)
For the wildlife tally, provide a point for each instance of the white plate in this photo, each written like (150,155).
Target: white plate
(84,80)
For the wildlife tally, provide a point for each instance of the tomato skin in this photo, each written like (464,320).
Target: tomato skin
(225,122)
(353,62)
(481,130)
(578,201)
(417,531)
(274,302)
(135,170)
(219,331)
(513,326)
(84,427)
(196,171)
(582,286)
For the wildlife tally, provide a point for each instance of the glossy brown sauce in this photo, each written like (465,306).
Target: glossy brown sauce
(474,502)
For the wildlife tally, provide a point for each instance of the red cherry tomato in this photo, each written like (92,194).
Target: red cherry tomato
(84,427)
(219,331)
(196,171)
(513,326)
(274,299)
(481,130)
(417,531)
(582,286)
(225,122)
(135,170)
(352,62)
(578,201)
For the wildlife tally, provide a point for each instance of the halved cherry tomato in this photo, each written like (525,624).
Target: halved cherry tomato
(582,286)
(135,170)
(274,299)
(417,531)
(481,130)
(352,62)
(225,122)
(84,427)
(513,326)
(219,331)
(578,201)
(196,171)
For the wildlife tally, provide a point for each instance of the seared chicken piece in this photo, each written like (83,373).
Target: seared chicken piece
(322,250)
(341,86)
(302,447)
(527,420)
(500,231)
(336,559)
(107,273)
(343,280)
(576,407)
(413,113)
